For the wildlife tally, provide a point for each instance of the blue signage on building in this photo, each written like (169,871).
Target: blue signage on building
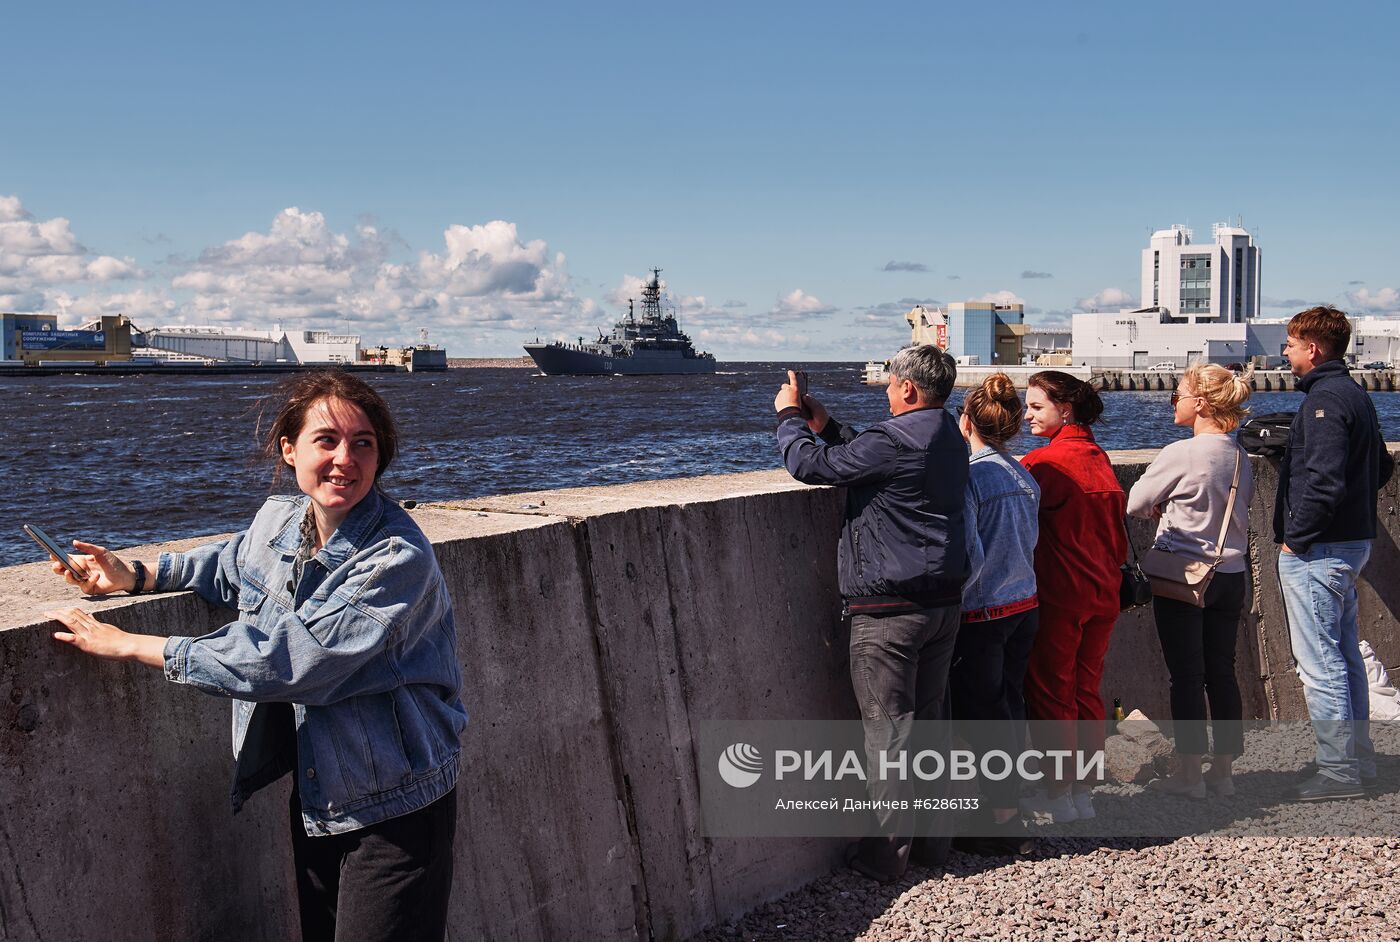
(63,339)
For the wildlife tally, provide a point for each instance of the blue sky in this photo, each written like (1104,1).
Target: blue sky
(492,173)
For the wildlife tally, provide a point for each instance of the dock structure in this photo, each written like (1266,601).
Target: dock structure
(1259,380)
(1111,380)
(878,374)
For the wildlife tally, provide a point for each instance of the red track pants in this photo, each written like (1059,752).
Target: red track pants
(1062,679)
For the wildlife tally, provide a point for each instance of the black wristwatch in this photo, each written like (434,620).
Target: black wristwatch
(139,571)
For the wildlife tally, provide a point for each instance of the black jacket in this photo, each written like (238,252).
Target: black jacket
(903,545)
(1331,471)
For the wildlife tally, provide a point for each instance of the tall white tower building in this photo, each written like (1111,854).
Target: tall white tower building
(1202,284)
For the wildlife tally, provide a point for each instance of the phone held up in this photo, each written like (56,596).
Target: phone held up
(800,381)
(54,550)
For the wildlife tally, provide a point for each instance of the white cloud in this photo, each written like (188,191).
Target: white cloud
(799,305)
(38,256)
(1108,299)
(148,307)
(303,272)
(1002,297)
(1382,301)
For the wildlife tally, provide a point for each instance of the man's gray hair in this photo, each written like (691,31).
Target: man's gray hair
(928,368)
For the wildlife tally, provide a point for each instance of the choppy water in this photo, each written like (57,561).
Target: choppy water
(136,459)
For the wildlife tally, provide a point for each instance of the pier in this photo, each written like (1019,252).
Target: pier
(597,627)
(1127,380)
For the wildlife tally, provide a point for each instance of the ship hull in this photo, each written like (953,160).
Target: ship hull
(569,361)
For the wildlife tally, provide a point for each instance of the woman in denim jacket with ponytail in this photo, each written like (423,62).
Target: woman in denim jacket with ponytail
(342,665)
(999,605)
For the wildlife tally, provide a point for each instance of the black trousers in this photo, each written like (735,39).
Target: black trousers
(1199,647)
(388,881)
(987,680)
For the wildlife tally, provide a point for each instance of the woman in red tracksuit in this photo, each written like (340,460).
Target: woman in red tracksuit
(1082,545)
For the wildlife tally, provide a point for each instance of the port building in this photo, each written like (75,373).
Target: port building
(230,345)
(1200,302)
(33,339)
(1202,284)
(985,333)
(13,325)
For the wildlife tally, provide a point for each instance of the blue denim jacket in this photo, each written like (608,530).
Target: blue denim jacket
(1003,502)
(365,651)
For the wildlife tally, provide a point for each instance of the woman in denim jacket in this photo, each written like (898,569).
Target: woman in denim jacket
(342,665)
(999,608)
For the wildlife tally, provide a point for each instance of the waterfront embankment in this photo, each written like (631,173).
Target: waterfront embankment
(1128,380)
(597,627)
(507,363)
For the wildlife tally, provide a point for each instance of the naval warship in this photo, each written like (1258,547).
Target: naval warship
(646,344)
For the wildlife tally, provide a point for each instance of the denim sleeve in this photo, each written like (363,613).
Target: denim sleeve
(867,458)
(976,554)
(211,571)
(1314,495)
(317,659)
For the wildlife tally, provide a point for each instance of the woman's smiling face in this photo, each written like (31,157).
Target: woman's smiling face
(1043,415)
(335,455)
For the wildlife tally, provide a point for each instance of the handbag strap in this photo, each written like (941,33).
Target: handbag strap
(1229,508)
(1129,537)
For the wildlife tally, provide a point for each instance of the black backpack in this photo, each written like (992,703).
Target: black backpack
(1266,435)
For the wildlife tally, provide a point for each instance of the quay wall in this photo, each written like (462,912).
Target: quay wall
(596,626)
(1127,380)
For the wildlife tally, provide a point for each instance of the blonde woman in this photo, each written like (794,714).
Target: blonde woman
(1187,488)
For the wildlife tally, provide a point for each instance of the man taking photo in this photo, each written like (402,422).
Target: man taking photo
(901,564)
(1324,521)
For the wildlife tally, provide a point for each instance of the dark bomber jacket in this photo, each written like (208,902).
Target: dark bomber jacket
(903,544)
(1331,471)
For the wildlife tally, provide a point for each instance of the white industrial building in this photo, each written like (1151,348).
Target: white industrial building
(254,346)
(1195,284)
(1198,301)
(1375,340)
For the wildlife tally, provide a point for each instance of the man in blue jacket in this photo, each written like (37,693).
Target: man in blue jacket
(901,564)
(1324,521)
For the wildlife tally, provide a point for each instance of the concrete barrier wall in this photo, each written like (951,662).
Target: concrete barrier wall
(595,627)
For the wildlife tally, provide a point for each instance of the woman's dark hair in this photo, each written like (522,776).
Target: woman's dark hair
(995,410)
(1065,389)
(294,397)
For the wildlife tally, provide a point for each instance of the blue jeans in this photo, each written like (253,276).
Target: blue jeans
(1319,596)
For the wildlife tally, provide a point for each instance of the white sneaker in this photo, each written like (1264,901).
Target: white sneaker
(1083,806)
(1059,810)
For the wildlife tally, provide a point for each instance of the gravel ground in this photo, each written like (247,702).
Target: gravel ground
(1254,888)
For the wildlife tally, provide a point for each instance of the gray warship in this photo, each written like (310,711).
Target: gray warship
(650,344)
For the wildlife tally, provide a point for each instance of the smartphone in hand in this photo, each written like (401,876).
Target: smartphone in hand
(54,550)
(800,377)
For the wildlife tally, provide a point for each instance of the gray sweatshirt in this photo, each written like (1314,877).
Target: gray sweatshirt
(1189,483)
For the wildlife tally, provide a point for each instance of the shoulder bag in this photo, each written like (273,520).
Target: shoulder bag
(1134,588)
(1174,576)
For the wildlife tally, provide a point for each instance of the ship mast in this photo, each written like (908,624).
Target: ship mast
(651,298)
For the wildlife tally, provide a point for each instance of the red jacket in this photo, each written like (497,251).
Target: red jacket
(1082,542)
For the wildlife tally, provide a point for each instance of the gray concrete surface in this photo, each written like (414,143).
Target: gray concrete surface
(596,627)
